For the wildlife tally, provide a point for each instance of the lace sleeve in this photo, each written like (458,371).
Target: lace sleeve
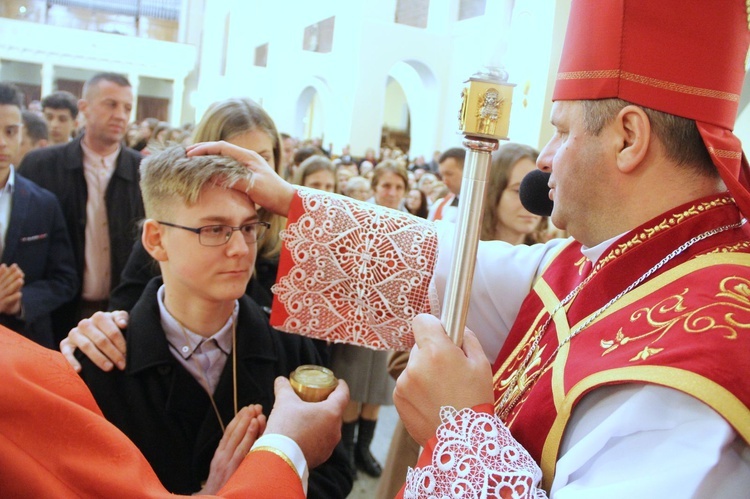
(353,272)
(475,457)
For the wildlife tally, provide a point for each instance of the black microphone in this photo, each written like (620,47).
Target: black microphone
(534,193)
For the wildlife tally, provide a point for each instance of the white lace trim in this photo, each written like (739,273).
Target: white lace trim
(475,457)
(360,272)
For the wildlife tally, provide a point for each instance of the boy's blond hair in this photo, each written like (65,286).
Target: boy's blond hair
(169,176)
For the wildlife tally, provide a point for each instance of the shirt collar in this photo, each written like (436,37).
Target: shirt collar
(594,253)
(9,185)
(109,159)
(175,336)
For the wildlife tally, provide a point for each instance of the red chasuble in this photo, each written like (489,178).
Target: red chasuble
(685,326)
(54,441)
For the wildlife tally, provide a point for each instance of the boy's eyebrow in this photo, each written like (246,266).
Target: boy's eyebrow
(222,220)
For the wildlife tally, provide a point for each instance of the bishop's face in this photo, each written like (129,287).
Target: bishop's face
(581,173)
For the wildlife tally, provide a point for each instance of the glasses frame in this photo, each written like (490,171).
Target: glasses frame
(198,230)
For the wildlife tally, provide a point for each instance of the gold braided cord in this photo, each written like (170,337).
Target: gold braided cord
(724,153)
(593,75)
(651,82)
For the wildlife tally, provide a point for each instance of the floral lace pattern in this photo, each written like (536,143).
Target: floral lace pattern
(360,272)
(475,457)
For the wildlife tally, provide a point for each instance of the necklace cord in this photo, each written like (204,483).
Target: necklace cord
(204,378)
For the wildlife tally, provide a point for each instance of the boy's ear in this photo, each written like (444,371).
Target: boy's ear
(152,239)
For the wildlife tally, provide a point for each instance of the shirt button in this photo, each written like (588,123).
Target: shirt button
(185,349)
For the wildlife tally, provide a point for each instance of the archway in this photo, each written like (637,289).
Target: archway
(310,112)
(396,130)
(420,88)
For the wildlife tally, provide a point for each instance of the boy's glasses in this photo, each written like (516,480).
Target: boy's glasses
(218,235)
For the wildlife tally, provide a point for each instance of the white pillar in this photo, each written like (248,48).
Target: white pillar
(175,107)
(135,81)
(48,77)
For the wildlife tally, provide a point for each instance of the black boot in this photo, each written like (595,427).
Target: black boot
(347,439)
(362,455)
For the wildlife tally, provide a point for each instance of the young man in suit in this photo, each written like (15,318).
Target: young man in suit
(37,273)
(95,178)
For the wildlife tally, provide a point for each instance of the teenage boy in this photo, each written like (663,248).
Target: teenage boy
(60,111)
(198,348)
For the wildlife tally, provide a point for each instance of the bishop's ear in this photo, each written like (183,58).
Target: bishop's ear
(152,237)
(634,132)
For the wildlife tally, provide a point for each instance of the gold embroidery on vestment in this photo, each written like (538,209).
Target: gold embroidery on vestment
(526,376)
(734,248)
(733,294)
(580,264)
(665,224)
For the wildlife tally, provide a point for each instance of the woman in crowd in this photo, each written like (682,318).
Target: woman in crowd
(427,183)
(416,203)
(317,172)
(358,188)
(505,218)
(343,174)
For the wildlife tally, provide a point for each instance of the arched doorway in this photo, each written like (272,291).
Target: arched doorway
(311,111)
(396,132)
(309,115)
(419,87)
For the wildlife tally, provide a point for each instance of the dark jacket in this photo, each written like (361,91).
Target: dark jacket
(59,169)
(37,241)
(168,415)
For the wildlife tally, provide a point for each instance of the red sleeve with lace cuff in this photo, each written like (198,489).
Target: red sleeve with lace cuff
(352,272)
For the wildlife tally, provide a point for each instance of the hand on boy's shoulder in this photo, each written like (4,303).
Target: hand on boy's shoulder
(99,338)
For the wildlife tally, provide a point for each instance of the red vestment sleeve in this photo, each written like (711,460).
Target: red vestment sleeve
(264,475)
(54,441)
(352,272)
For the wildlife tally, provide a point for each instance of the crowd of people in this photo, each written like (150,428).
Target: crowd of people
(101,276)
(598,362)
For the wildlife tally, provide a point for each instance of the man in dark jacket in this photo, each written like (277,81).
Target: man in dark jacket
(95,179)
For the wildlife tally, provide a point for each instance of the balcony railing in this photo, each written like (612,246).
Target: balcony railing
(157,19)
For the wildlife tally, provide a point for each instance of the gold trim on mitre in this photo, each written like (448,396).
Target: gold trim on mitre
(648,81)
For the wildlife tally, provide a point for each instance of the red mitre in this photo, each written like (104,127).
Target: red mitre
(682,57)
